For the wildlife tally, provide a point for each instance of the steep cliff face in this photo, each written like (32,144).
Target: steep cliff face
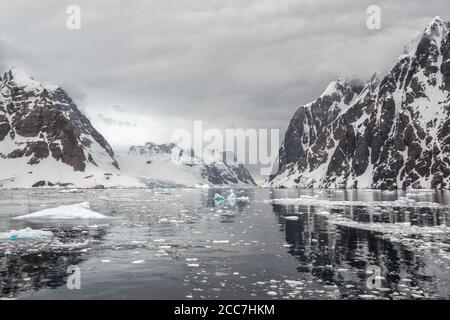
(394,135)
(309,120)
(171,164)
(45,140)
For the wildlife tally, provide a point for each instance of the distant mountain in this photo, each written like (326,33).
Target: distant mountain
(395,134)
(46,141)
(168,163)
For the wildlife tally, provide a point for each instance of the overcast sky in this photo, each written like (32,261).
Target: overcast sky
(140,69)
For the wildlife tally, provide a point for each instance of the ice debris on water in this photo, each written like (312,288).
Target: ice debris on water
(221,241)
(202,186)
(138,262)
(218,197)
(243,199)
(66,212)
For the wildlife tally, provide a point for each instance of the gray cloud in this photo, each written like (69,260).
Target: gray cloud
(231,63)
(115,122)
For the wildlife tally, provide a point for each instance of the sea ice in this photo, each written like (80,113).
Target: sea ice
(291,218)
(68,212)
(72,191)
(26,233)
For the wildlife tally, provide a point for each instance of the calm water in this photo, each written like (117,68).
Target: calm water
(321,244)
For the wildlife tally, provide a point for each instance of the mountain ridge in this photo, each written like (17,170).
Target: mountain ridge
(395,135)
(45,141)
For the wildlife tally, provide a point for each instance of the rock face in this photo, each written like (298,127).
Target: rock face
(395,134)
(44,139)
(309,120)
(169,162)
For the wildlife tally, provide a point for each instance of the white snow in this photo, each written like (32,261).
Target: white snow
(67,212)
(24,80)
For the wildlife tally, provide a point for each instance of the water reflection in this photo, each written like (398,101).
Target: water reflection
(340,255)
(209,249)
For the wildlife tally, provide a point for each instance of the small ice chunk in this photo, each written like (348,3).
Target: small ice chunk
(191,259)
(291,218)
(138,262)
(202,186)
(72,191)
(243,199)
(366,296)
(221,241)
(272,293)
(193,265)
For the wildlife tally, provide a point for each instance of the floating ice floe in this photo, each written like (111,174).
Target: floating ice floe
(193,265)
(291,218)
(72,191)
(68,212)
(138,262)
(221,241)
(25,234)
(202,186)
(243,199)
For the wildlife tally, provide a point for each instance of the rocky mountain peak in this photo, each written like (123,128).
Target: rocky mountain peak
(41,124)
(395,134)
(437,28)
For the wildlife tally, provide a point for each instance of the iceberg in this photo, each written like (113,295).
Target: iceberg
(231,199)
(26,233)
(67,212)
(218,197)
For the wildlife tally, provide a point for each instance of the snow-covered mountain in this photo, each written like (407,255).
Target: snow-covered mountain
(169,164)
(46,141)
(395,134)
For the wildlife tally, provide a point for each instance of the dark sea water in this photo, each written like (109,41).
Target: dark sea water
(281,244)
